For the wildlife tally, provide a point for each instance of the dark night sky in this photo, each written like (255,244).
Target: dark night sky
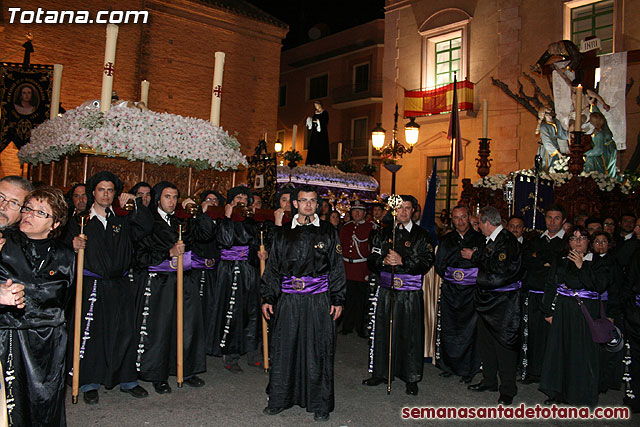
(329,16)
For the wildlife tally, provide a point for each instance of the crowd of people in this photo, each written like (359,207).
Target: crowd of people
(511,308)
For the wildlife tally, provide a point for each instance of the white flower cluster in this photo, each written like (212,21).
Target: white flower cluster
(493,182)
(328,176)
(160,138)
(559,174)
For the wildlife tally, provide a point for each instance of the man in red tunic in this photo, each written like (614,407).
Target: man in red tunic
(354,238)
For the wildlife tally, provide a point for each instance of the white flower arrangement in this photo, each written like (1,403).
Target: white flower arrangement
(559,174)
(160,138)
(327,176)
(492,182)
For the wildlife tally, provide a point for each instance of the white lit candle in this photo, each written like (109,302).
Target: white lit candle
(339,151)
(485,118)
(370,154)
(577,127)
(144,92)
(216,91)
(108,68)
(295,134)
(55,91)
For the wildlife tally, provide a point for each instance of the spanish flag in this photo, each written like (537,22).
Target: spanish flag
(439,100)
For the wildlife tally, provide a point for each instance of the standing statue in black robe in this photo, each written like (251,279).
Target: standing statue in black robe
(497,300)
(303,288)
(237,296)
(158,253)
(108,327)
(318,152)
(456,349)
(537,258)
(412,258)
(33,336)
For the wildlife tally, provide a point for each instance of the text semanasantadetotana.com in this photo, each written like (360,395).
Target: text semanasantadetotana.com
(518,412)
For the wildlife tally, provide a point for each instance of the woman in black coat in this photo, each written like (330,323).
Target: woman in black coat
(33,339)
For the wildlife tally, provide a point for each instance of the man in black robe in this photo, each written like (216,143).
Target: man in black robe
(13,190)
(108,328)
(410,257)
(497,300)
(456,350)
(537,257)
(158,253)
(144,191)
(237,296)
(204,258)
(303,288)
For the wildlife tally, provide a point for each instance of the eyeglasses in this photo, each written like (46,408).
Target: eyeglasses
(12,204)
(38,213)
(578,239)
(600,242)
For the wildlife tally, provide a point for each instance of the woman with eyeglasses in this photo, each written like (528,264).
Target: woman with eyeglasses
(33,339)
(571,365)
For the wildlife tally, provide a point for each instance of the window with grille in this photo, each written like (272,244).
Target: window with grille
(448,60)
(361,78)
(594,19)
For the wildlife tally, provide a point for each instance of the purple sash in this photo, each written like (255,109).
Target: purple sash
(305,284)
(461,276)
(512,287)
(88,273)
(202,263)
(236,253)
(533,291)
(401,282)
(171,265)
(582,293)
(638,300)
(604,296)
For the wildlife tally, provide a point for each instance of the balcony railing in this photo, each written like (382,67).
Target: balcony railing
(354,92)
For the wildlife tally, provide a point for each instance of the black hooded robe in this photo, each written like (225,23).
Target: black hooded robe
(302,334)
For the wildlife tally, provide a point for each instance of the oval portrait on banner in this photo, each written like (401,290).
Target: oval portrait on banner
(26,99)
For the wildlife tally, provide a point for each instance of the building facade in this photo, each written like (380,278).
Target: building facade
(344,72)
(425,42)
(174,51)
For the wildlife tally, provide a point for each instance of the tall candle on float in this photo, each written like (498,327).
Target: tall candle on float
(339,151)
(144,92)
(295,134)
(216,92)
(55,91)
(485,118)
(577,126)
(370,154)
(109,67)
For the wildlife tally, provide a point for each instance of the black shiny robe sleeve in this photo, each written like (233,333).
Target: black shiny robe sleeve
(305,251)
(239,233)
(499,262)
(450,247)
(415,248)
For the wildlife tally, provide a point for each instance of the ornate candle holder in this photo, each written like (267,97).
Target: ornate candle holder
(576,153)
(483,162)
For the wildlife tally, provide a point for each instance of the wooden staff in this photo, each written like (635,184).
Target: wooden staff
(180,307)
(394,202)
(75,382)
(265,334)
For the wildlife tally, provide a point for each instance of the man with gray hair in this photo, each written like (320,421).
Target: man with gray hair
(497,300)
(13,190)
